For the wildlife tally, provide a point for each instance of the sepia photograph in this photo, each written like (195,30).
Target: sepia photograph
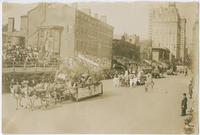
(100,67)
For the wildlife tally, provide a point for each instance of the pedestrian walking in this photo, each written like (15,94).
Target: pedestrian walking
(184,105)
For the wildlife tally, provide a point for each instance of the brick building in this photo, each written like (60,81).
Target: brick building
(67,31)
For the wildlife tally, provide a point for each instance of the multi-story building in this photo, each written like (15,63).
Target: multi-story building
(11,24)
(145,49)
(23,25)
(167,30)
(10,36)
(133,39)
(193,52)
(64,30)
(125,50)
(93,36)
(160,54)
(183,50)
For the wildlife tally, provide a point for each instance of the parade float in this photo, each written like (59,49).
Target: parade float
(83,75)
(76,79)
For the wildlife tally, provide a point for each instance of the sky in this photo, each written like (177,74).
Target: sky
(126,17)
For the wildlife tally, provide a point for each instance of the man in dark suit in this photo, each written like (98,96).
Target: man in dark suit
(184,105)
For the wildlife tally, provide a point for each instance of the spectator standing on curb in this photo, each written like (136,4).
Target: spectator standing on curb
(184,105)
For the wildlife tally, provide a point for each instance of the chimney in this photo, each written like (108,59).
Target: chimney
(75,5)
(24,23)
(103,19)
(96,16)
(87,11)
(11,22)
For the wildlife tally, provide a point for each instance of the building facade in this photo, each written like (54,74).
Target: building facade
(10,36)
(11,24)
(125,50)
(93,36)
(133,39)
(64,27)
(160,54)
(167,30)
(23,24)
(11,39)
(183,50)
(145,49)
(195,46)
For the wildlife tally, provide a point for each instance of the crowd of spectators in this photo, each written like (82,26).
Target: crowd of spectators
(102,62)
(19,56)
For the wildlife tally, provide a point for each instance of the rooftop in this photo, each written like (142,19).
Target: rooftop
(14,34)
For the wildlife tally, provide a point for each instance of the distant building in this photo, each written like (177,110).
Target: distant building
(67,31)
(10,36)
(183,50)
(167,30)
(133,39)
(193,52)
(195,40)
(11,24)
(145,49)
(125,50)
(160,54)
(23,25)
(5,28)
(117,36)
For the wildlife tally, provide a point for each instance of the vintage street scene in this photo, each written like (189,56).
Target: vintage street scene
(100,68)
